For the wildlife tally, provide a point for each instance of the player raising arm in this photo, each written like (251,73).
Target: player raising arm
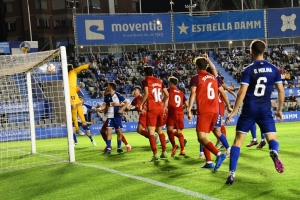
(204,88)
(176,104)
(76,105)
(258,80)
(153,90)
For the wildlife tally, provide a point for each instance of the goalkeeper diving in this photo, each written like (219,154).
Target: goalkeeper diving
(76,105)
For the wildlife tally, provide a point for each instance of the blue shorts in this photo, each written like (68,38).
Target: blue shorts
(263,118)
(87,128)
(114,123)
(218,122)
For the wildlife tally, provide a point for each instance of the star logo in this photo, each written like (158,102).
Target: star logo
(183,28)
(288,22)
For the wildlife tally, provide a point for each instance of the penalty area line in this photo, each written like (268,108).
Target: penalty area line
(150,181)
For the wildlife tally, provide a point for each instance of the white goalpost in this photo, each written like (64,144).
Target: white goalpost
(35,111)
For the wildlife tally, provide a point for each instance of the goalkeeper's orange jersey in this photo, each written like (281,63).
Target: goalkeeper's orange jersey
(73,75)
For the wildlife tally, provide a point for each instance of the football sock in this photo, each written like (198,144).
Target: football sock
(144,133)
(210,146)
(253,132)
(108,144)
(201,148)
(181,141)
(171,137)
(124,140)
(224,141)
(152,141)
(176,134)
(80,113)
(104,136)
(223,130)
(274,145)
(75,137)
(207,155)
(263,137)
(162,139)
(119,144)
(74,119)
(234,156)
(91,138)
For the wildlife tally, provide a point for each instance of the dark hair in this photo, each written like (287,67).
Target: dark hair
(70,67)
(173,80)
(209,70)
(112,85)
(201,63)
(258,47)
(148,70)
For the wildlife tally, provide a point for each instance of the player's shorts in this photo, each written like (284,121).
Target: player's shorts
(155,118)
(104,126)
(206,122)
(176,120)
(222,109)
(143,120)
(74,98)
(87,128)
(115,123)
(263,118)
(218,122)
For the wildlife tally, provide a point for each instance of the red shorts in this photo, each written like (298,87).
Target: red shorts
(206,122)
(176,120)
(222,109)
(142,121)
(104,126)
(155,118)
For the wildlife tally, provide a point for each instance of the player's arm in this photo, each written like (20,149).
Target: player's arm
(280,100)
(211,65)
(165,100)
(102,107)
(229,90)
(124,105)
(80,68)
(191,101)
(240,97)
(185,105)
(145,97)
(225,98)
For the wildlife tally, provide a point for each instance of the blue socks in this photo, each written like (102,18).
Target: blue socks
(108,143)
(75,137)
(263,137)
(119,144)
(253,131)
(201,148)
(274,145)
(224,141)
(91,138)
(234,156)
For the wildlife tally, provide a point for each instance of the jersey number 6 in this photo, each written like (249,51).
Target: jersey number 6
(210,91)
(260,86)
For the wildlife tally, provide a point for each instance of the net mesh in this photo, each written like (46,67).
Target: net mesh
(48,105)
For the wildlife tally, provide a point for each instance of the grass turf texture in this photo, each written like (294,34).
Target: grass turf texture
(256,177)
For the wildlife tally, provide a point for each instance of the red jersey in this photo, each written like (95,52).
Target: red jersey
(176,101)
(155,87)
(207,98)
(137,102)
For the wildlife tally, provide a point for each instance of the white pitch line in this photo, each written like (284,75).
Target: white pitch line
(150,181)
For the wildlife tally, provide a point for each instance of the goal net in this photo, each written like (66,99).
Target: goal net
(34,106)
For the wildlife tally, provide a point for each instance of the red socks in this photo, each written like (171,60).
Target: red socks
(153,144)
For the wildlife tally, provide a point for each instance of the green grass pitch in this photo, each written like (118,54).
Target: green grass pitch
(256,177)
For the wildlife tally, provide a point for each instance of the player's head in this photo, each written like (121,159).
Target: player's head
(148,70)
(137,90)
(111,87)
(208,69)
(201,63)
(173,81)
(70,67)
(257,48)
(106,91)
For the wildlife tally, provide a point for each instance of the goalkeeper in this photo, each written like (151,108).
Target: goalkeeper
(76,105)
